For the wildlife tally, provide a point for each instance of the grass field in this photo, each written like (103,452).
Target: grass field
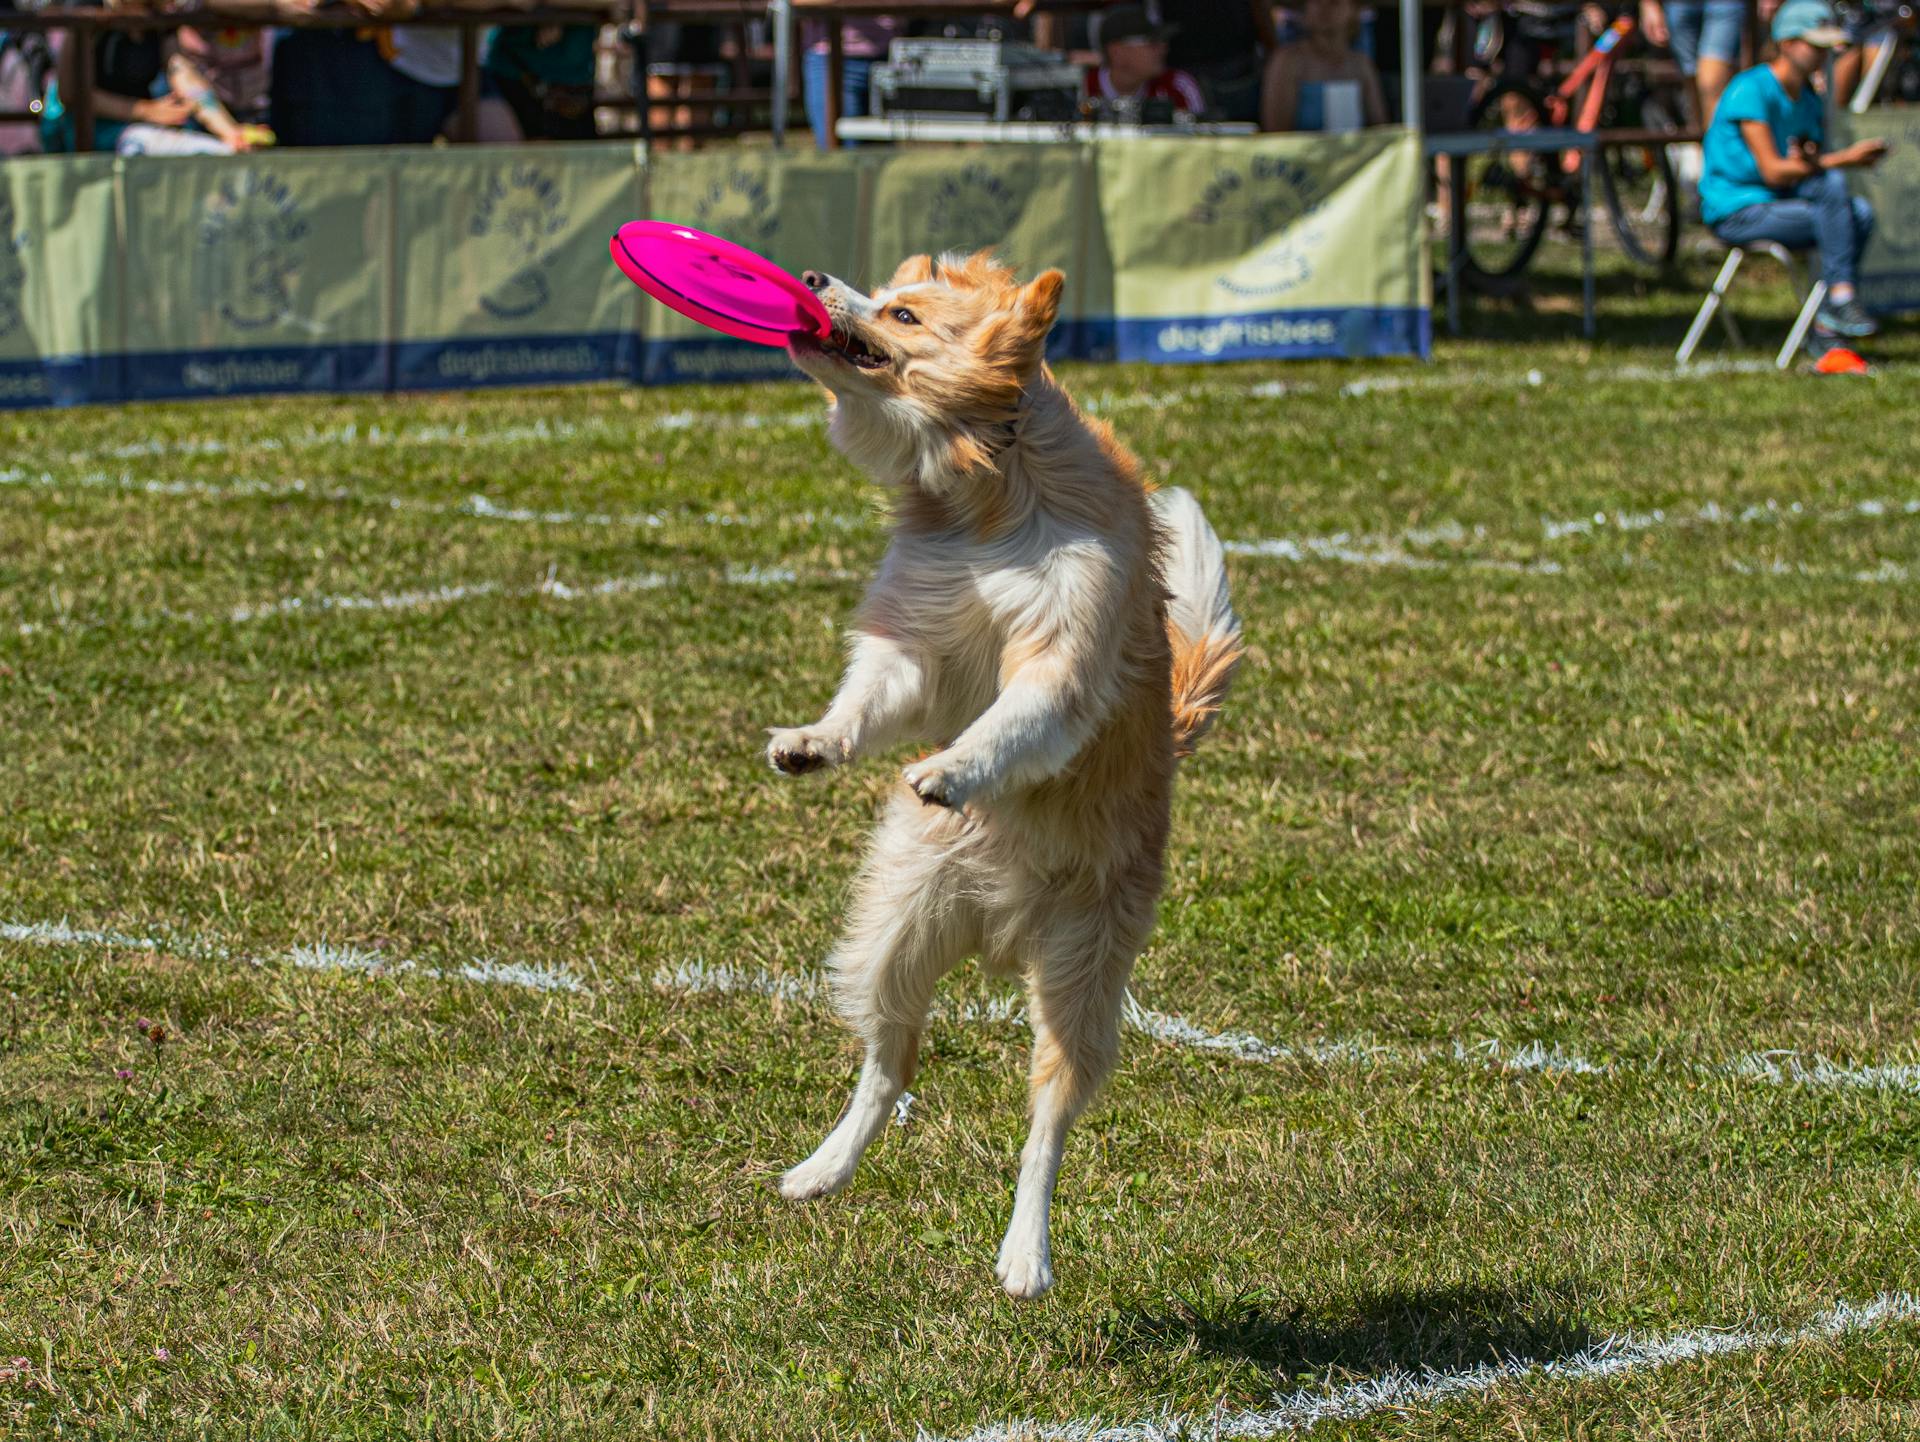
(405,999)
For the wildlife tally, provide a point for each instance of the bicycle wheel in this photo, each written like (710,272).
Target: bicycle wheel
(1506,192)
(1641,195)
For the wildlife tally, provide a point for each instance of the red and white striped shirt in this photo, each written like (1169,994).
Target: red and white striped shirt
(1175,85)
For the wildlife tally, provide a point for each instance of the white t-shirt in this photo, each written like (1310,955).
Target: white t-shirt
(431,56)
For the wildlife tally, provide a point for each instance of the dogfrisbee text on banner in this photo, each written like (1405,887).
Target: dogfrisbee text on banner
(799,211)
(60,300)
(502,257)
(1284,246)
(265,272)
(369,270)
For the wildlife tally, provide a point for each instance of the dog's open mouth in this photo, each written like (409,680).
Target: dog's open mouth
(845,345)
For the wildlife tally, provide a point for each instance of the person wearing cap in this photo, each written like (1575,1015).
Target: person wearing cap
(1767,174)
(1133,50)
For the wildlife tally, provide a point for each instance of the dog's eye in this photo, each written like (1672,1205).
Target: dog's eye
(905,316)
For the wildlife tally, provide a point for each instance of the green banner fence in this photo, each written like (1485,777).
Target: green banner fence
(1890,270)
(380,270)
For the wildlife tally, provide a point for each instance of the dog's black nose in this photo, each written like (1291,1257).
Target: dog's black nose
(813,280)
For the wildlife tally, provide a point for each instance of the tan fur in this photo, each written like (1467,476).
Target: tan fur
(1020,621)
(1202,671)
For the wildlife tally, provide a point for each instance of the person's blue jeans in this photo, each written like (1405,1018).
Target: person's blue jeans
(813,84)
(1821,213)
(1705,29)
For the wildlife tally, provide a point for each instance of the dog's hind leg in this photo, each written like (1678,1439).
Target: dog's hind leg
(1076,993)
(909,928)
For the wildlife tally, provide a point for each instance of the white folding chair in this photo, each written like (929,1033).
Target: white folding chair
(1809,288)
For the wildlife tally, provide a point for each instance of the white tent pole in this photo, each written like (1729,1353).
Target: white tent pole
(1412,77)
(782,19)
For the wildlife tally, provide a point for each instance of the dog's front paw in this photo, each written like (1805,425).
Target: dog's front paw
(820,1175)
(799,749)
(1024,1270)
(938,782)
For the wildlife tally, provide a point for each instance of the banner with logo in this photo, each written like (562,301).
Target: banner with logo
(800,210)
(60,295)
(1272,246)
(370,270)
(1890,269)
(250,273)
(1029,204)
(501,265)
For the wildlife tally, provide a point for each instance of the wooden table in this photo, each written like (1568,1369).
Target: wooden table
(1020,132)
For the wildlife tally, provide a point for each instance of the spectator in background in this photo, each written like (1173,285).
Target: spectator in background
(1704,36)
(146,98)
(1133,64)
(545,73)
(425,80)
(384,84)
(1220,42)
(234,60)
(334,87)
(1293,93)
(1769,176)
(28,63)
(861,42)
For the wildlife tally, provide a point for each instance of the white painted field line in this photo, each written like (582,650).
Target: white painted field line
(1711,513)
(354,436)
(1380,551)
(1399,1390)
(1377,553)
(1373,553)
(476,507)
(427,598)
(1776,1068)
(307,956)
(1396,552)
(813,417)
(1413,379)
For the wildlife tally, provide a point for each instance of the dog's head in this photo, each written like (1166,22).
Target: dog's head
(927,364)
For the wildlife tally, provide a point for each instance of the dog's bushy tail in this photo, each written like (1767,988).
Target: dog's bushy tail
(1201,626)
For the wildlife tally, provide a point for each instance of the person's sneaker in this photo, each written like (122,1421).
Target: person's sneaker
(1849,319)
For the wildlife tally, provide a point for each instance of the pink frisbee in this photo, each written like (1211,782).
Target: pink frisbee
(720,284)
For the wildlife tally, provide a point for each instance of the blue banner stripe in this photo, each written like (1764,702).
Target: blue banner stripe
(514,360)
(60,381)
(458,363)
(267,370)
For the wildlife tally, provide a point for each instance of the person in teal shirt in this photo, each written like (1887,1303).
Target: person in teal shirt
(545,73)
(1767,173)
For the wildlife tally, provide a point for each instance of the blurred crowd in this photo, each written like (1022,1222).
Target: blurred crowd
(246,73)
(243,74)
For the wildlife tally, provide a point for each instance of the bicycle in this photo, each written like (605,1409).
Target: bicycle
(1637,183)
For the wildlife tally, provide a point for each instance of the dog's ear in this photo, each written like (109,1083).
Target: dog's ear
(1023,333)
(1013,342)
(913,270)
(1040,301)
